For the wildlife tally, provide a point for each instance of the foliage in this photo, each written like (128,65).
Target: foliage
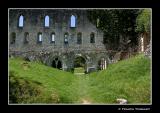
(143,21)
(115,23)
(79,62)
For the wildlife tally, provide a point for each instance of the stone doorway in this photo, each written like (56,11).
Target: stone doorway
(79,65)
(102,64)
(56,63)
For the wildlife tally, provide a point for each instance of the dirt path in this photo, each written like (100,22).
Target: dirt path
(85,102)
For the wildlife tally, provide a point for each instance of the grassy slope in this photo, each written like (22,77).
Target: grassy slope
(52,79)
(128,79)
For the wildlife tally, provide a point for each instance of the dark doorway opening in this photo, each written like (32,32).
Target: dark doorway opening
(59,65)
(27,59)
(56,63)
(99,65)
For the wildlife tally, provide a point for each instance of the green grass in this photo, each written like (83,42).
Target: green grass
(52,80)
(129,79)
(79,70)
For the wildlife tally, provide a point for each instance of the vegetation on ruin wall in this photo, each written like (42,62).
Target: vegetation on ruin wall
(120,23)
(32,82)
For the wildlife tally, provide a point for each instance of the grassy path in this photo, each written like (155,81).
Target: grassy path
(83,88)
(82,81)
(128,79)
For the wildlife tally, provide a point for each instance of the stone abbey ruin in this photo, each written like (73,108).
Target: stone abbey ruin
(56,37)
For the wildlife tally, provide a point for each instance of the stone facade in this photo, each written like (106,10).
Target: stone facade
(24,40)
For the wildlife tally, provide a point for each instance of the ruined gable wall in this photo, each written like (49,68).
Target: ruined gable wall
(59,24)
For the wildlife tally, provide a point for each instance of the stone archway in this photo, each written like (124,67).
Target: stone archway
(102,62)
(79,61)
(79,64)
(57,63)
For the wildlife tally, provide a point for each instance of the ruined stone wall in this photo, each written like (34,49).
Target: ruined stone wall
(59,23)
(143,41)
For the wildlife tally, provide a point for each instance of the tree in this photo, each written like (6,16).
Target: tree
(143,21)
(116,24)
(79,62)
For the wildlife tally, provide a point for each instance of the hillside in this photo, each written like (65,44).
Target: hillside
(33,82)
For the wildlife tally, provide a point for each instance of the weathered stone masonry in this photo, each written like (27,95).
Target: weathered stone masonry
(24,41)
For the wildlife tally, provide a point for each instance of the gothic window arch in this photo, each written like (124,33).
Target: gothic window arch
(39,38)
(26,38)
(79,38)
(66,38)
(21,21)
(52,40)
(13,38)
(73,21)
(92,38)
(46,21)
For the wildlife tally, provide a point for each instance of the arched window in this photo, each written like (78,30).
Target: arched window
(66,38)
(52,37)
(26,38)
(46,21)
(13,38)
(73,21)
(39,37)
(21,20)
(92,38)
(79,38)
